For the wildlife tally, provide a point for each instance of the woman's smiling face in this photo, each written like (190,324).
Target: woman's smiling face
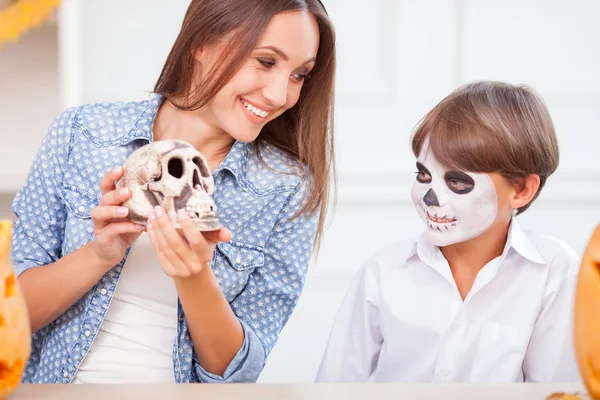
(270,81)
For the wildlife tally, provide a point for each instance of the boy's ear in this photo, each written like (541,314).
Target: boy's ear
(525,191)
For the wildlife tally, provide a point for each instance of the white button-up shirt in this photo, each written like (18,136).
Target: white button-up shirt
(403,319)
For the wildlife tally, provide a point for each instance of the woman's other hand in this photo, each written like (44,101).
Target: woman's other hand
(186,254)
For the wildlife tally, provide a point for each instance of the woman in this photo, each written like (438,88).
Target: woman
(249,85)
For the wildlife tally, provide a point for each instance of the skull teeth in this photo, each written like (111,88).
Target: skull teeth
(195,212)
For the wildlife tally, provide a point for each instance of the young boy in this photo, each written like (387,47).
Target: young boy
(475,298)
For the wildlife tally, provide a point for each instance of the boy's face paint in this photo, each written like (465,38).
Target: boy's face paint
(455,205)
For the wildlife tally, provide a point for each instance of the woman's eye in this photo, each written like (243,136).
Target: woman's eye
(301,77)
(266,63)
(423,177)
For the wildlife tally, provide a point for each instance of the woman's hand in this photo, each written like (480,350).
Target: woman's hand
(182,256)
(114,232)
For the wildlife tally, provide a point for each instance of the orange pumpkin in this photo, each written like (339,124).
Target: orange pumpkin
(15,332)
(587,322)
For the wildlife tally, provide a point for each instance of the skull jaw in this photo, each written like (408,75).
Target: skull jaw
(140,207)
(202,224)
(199,207)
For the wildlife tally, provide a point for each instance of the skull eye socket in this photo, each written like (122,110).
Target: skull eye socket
(175,167)
(203,168)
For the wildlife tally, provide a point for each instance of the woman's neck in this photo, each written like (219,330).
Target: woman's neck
(467,258)
(193,127)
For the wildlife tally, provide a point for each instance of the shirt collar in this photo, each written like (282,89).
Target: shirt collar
(427,251)
(235,161)
(517,240)
(145,122)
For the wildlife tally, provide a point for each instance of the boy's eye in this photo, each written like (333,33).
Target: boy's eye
(423,177)
(459,187)
(459,182)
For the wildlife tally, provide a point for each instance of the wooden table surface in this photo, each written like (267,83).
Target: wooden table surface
(520,391)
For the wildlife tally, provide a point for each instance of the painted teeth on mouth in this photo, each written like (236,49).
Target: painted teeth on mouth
(439,220)
(255,110)
(442,220)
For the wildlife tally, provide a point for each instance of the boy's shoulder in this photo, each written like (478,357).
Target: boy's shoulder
(559,255)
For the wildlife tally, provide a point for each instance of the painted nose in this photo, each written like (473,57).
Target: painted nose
(431,199)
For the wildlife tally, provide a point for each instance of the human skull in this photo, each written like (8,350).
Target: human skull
(174,175)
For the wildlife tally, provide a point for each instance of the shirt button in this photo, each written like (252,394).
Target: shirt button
(81,209)
(238,260)
(446,372)
(103,291)
(87,333)
(453,329)
(65,374)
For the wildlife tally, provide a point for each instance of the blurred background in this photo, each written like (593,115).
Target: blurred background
(397,59)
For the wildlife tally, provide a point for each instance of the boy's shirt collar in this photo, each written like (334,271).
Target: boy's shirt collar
(517,240)
(523,245)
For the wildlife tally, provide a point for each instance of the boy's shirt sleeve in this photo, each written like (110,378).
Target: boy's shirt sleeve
(355,340)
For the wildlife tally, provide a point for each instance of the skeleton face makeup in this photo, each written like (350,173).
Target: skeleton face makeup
(174,175)
(456,206)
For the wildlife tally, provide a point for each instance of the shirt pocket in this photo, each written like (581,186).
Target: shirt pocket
(500,353)
(79,229)
(234,263)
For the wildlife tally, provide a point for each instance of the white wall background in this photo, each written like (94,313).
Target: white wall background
(397,59)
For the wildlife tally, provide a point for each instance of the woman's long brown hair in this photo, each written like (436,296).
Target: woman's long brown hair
(304,132)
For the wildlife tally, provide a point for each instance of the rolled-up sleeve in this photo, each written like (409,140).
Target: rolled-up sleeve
(38,207)
(272,292)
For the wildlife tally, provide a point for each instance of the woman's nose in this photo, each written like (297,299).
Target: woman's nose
(276,91)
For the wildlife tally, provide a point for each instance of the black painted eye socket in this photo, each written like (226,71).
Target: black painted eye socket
(459,182)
